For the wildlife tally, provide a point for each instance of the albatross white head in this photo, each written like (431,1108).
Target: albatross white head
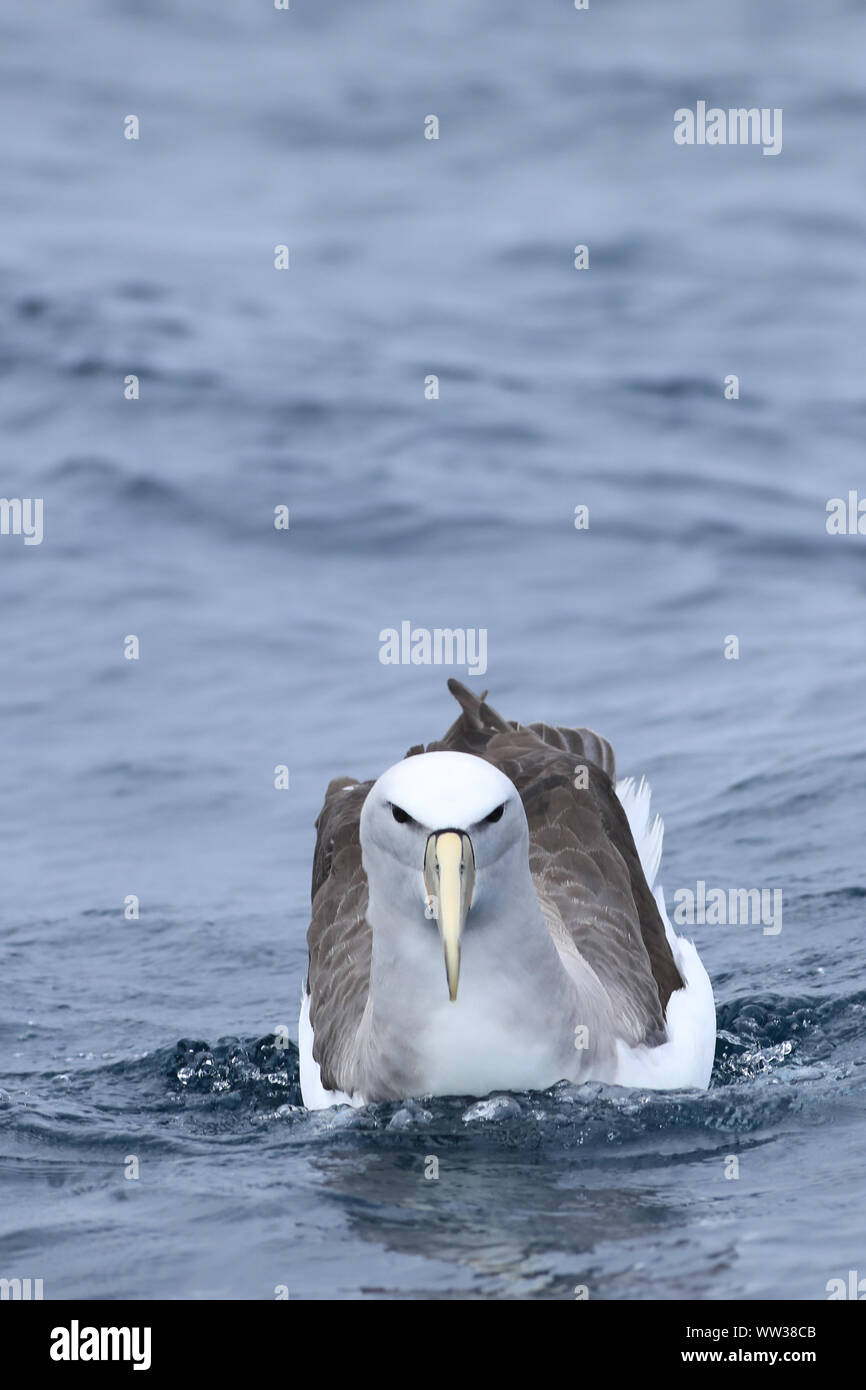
(437,834)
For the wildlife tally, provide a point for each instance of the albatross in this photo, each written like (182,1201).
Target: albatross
(483,918)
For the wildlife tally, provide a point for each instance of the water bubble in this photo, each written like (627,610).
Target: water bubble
(496,1108)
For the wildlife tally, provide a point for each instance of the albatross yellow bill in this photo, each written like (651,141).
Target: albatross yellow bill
(449,877)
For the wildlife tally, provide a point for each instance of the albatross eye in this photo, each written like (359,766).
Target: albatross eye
(494,815)
(400,815)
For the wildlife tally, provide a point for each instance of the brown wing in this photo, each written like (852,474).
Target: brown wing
(583,860)
(339,936)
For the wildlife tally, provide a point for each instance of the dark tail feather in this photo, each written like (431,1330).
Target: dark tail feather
(477,714)
(478,722)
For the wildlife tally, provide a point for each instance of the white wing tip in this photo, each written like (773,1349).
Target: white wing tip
(648,834)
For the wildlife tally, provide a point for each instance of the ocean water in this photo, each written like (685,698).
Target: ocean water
(156,1039)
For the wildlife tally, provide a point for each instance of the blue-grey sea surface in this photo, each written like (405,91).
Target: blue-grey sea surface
(151,1044)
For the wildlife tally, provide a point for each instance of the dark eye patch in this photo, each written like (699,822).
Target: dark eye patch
(400,815)
(494,815)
